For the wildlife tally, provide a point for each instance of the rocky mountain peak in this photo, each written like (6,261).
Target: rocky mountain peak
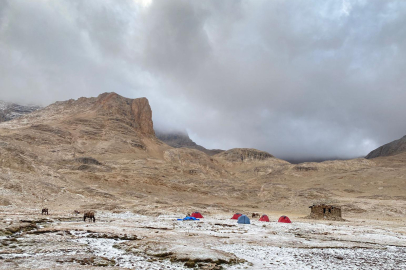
(389,149)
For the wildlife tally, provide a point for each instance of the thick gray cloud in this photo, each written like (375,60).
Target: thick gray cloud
(300,79)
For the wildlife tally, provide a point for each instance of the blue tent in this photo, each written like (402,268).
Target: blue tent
(188,218)
(243,220)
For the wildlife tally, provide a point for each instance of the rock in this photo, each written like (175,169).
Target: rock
(244,155)
(88,160)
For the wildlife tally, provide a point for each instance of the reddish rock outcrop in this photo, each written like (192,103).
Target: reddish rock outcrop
(136,112)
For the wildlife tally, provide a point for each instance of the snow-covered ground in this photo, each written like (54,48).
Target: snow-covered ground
(130,241)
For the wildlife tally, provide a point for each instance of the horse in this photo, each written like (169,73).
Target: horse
(254,215)
(76,212)
(89,215)
(44,211)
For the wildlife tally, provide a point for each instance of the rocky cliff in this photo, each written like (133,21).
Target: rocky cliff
(389,149)
(135,112)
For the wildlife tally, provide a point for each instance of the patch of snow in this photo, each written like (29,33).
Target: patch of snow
(105,248)
(270,257)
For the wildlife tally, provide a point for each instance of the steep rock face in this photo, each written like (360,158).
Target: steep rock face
(389,149)
(137,111)
(244,155)
(108,109)
(10,111)
(106,125)
(179,139)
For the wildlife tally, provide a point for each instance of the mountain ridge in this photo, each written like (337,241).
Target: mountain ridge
(179,139)
(390,149)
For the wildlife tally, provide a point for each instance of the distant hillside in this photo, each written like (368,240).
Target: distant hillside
(389,149)
(180,139)
(10,111)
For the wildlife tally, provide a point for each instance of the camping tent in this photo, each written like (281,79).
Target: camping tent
(264,218)
(284,219)
(196,215)
(243,219)
(236,216)
(188,218)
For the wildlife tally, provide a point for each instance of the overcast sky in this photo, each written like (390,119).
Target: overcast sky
(299,79)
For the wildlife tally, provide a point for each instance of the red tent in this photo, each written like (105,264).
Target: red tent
(236,216)
(196,215)
(284,219)
(264,218)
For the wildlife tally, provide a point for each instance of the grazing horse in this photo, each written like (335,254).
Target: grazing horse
(89,215)
(44,211)
(254,215)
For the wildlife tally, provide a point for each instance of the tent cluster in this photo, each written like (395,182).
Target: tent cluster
(193,216)
(241,219)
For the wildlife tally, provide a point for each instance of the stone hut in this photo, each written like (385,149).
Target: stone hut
(323,211)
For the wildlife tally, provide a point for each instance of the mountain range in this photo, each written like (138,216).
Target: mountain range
(103,153)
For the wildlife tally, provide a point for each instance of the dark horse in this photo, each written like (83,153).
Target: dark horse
(44,211)
(89,215)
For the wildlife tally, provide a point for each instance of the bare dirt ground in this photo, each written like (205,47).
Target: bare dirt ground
(125,240)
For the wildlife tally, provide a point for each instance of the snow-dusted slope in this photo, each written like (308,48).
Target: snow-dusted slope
(9,111)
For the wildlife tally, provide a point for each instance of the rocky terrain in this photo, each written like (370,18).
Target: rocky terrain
(102,154)
(180,139)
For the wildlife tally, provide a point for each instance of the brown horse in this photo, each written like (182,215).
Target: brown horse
(254,215)
(44,211)
(89,215)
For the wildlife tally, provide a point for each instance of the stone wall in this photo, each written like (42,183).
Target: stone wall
(323,211)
